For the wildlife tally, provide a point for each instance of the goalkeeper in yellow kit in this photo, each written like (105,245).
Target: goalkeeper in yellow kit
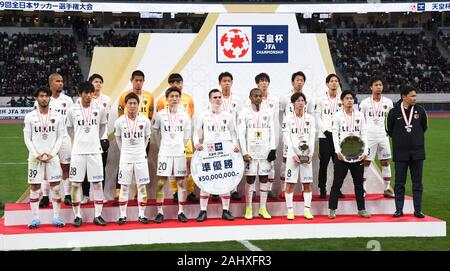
(187,104)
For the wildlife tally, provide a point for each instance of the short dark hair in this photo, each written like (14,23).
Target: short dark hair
(331,75)
(94,76)
(346,92)
(169,90)
(131,95)
(40,89)
(253,90)
(174,77)
(137,73)
(85,86)
(225,74)
(262,76)
(214,90)
(297,95)
(405,90)
(374,79)
(299,73)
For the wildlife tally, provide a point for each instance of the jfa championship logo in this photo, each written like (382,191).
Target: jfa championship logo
(252,44)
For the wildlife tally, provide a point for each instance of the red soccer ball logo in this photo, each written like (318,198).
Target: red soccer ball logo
(234,43)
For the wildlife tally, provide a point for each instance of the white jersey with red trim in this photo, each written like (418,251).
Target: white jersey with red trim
(134,135)
(375,114)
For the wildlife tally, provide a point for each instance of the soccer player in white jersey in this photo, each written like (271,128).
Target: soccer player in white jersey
(43,132)
(214,124)
(257,138)
(105,102)
(298,80)
(174,126)
(326,106)
(348,122)
(272,104)
(59,102)
(375,109)
(86,123)
(299,135)
(132,132)
(232,105)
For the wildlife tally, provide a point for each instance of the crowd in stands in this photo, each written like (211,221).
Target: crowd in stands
(21,101)
(26,60)
(401,58)
(110,39)
(445,39)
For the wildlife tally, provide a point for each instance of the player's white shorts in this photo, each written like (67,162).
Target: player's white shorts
(258,167)
(380,147)
(133,171)
(295,171)
(39,171)
(171,166)
(65,150)
(86,163)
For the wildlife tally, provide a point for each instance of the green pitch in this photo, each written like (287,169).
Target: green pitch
(436,199)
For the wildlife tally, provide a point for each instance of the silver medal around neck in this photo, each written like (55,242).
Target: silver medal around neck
(45,156)
(87,129)
(44,136)
(133,141)
(408,129)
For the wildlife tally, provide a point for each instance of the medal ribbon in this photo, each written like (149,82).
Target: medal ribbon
(216,124)
(351,122)
(376,110)
(407,120)
(44,124)
(86,117)
(174,122)
(134,125)
(256,116)
(226,103)
(333,104)
(300,128)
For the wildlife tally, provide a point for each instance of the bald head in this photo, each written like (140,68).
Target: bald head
(56,83)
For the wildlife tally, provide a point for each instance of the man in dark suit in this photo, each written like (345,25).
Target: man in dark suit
(406,124)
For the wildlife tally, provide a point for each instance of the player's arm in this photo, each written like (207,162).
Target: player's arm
(197,136)
(389,123)
(276,119)
(191,107)
(242,132)
(312,137)
(424,121)
(69,124)
(27,137)
(234,137)
(151,106)
(318,115)
(103,121)
(335,133)
(118,134)
(58,142)
(148,131)
(364,137)
(187,130)
(286,126)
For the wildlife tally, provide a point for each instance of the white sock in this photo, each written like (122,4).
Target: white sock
(289,200)
(249,188)
(225,201)
(204,197)
(67,186)
(98,198)
(307,197)
(34,203)
(56,199)
(45,188)
(263,194)
(142,199)
(123,199)
(182,194)
(76,198)
(386,173)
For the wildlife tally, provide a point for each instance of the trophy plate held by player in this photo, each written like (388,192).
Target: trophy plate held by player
(352,147)
(304,151)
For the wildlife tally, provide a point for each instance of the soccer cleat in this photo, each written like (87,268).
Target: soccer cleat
(290,215)
(68,200)
(143,220)
(419,214)
(175,197)
(192,198)
(99,221)
(215,197)
(263,212)
(77,222)
(85,200)
(159,218)
(57,222)
(282,195)
(272,195)
(45,202)
(364,213)
(248,213)
(122,220)
(323,193)
(182,218)
(35,223)
(398,213)
(235,195)
(227,215)
(388,193)
(307,214)
(332,214)
(202,216)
